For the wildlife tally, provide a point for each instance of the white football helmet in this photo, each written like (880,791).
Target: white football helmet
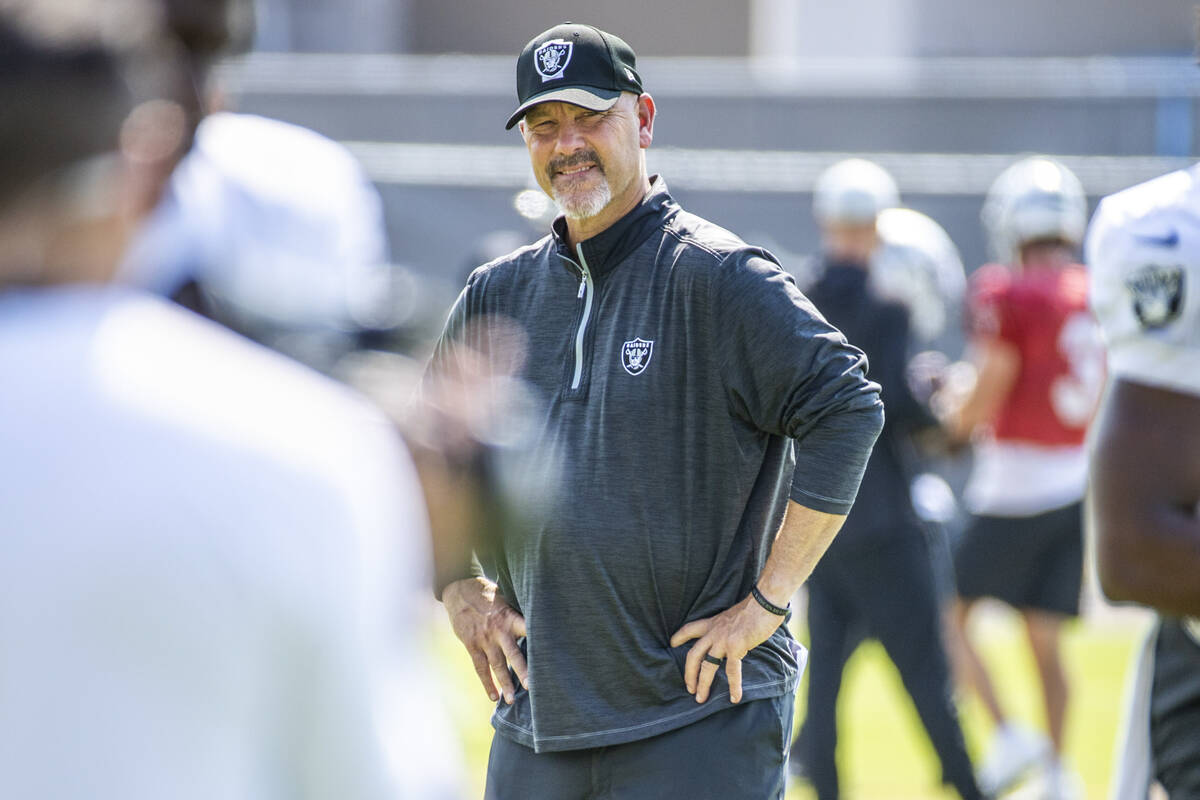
(918,266)
(1035,198)
(853,191)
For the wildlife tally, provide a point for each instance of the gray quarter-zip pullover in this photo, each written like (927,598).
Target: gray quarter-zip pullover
(678,366)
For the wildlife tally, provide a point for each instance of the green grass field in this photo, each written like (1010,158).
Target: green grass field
(883,751)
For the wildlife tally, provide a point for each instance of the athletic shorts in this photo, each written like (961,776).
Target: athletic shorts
(740,752)
(1031,562)
(1175,710)
(1160,736)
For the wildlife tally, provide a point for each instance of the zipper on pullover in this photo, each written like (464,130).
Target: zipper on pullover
(587,290)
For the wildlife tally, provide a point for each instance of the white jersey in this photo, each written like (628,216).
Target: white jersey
(209,558)
(280,225)
(1143,252)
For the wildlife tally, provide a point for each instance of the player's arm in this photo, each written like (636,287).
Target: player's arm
(1145,485)
(1145,474)
(997,366)
(994,355)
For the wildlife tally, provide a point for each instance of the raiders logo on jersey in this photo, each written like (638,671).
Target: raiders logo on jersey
(1157,295)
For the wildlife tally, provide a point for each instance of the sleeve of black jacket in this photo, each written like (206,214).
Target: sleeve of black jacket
(789,372)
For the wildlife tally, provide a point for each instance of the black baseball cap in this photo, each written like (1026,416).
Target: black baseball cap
(577,64)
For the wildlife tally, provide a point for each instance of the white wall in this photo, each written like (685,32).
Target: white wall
(781,28)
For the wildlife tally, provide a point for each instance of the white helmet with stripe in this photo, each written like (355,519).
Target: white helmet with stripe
(1034,199)
(853,191)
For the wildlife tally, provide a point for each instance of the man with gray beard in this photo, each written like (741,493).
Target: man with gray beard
(708,429)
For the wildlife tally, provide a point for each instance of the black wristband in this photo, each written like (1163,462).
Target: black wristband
(767,604)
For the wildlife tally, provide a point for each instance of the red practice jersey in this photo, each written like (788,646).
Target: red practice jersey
(1042,311)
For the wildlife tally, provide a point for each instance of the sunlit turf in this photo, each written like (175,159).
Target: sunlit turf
(883,750)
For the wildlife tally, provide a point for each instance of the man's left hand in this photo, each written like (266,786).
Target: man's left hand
(728,636)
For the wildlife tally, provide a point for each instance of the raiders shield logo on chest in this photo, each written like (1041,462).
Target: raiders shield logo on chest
(635,356)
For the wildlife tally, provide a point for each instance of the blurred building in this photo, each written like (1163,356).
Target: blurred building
(755,28)
(924,28)
(755,99)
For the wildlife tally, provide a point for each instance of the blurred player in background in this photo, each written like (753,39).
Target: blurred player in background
(918,266)
(1039,374)
(210,558)
(876,579)
(264,226)
(1144,253)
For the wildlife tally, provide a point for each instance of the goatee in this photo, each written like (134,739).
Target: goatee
(583,204)
(580,203)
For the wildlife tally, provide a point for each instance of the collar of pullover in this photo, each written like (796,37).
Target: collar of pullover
(606,249)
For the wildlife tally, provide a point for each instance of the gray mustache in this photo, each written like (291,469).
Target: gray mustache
(574,160)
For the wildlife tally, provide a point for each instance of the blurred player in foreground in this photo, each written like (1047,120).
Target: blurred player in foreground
(1144,253)
(877,577)
(267,227)
(274,231)
(210,558)
(1039,374)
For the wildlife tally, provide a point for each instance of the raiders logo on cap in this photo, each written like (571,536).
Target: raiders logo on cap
(552,58)
(602,66)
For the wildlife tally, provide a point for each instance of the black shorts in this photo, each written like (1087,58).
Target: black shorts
(1175,710)
(740,752)
(1028,562)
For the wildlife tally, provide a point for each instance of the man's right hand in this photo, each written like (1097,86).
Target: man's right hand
(489,628)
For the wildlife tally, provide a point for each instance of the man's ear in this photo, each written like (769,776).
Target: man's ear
(645,112)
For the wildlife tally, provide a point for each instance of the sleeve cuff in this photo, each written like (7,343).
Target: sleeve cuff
(826,505)
(471,569)
(831,459)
